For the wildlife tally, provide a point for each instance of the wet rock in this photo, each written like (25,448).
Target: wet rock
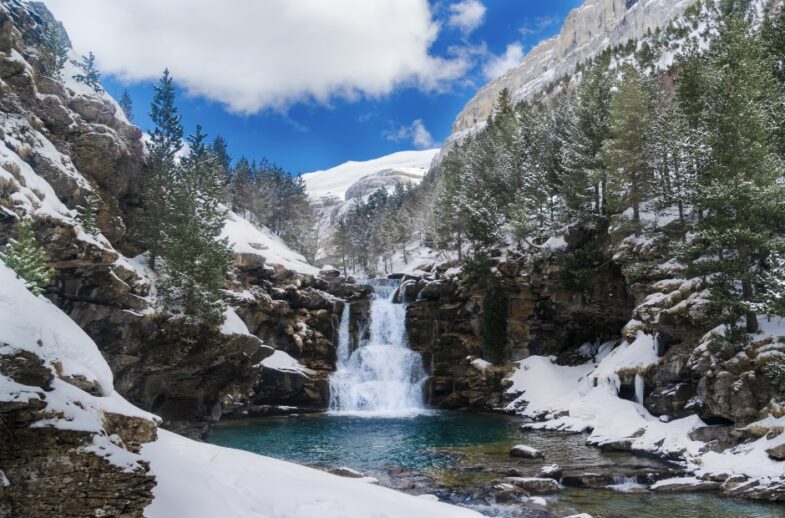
(525,452)
(587,480)
(682,486)
(552,471)
(346,472)
(534,485)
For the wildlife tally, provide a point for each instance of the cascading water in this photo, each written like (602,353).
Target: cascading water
(382,377)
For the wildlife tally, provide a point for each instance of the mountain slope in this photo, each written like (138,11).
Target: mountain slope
(588,30)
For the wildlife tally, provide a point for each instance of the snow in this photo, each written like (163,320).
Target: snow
(203,480)
(233,324)
(246,238)
(336,181)
(281,361)
(36,325)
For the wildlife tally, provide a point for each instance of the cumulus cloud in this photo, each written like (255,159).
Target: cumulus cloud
(416,133)
(466,15)
(252,55)
(499,64)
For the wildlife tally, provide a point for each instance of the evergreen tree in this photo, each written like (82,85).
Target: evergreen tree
(56,47)
(27,258)
(90,74)
(671,149)
(197,260)
(220,150)
(625,153)
(88,213)
(587,127)
(165,142)
(127,105)
(740,191)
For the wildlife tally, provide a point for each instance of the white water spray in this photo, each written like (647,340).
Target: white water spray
(382,377)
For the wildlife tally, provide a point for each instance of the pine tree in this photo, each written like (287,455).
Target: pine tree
(165,142)
(197,260)
(127,105)
(740,190)
(671,149)
(587,127)
(90,74)
(27,258)
(220,150)
(88,213)
(56,47)
(625,153)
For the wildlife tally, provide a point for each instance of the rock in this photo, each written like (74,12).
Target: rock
(717,437)
(587,31)
(777,452)
(346,472)
(552,471)
(682,486)
(525,452)
(534,485)
(588,480)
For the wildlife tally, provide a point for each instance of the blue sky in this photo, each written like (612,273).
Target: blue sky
(323,126)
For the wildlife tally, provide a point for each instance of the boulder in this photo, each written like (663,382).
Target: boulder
(534,485)
(525,452)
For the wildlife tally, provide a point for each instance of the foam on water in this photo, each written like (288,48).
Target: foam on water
(382,377)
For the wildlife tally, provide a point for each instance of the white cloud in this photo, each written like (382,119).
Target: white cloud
(252,55)
(538,25)
(466,15)
(416,133)
(498,65)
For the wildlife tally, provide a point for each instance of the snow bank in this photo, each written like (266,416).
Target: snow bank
(36,325)
(233,324)
(246,238)
(203,480)
(336,181)
(281,361)
(585,397)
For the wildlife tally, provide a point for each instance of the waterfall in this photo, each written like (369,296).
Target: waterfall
(639,386)
(344,338)
(382,377)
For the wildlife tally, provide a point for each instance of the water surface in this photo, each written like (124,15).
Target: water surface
(457,451)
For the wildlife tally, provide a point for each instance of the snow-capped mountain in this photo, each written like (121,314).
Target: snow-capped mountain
(331,189)
(588,30)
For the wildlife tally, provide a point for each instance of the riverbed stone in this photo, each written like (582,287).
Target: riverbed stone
(535,485)
(525,452)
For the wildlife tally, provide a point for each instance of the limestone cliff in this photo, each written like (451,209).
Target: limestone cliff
(588,30)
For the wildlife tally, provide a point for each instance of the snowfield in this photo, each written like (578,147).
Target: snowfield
(336,181)
(194,479)
(246,238)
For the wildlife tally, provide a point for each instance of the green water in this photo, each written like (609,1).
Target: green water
(456,452)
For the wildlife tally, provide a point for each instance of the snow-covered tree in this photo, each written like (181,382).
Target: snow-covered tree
(27,258)
(196,259)
(56,47)
(127,105)
(88,213)
(166,141)
(625,152)
(740,191)
(90,74)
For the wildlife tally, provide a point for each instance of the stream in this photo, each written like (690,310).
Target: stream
(452,454)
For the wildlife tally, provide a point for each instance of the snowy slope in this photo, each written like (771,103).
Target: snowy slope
(247,238)
(334,182)
(201,480)
(193,479)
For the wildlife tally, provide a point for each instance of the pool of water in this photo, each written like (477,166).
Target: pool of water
(449,453)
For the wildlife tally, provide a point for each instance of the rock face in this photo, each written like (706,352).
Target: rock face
(545,315)
(588,30)
(60,142)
